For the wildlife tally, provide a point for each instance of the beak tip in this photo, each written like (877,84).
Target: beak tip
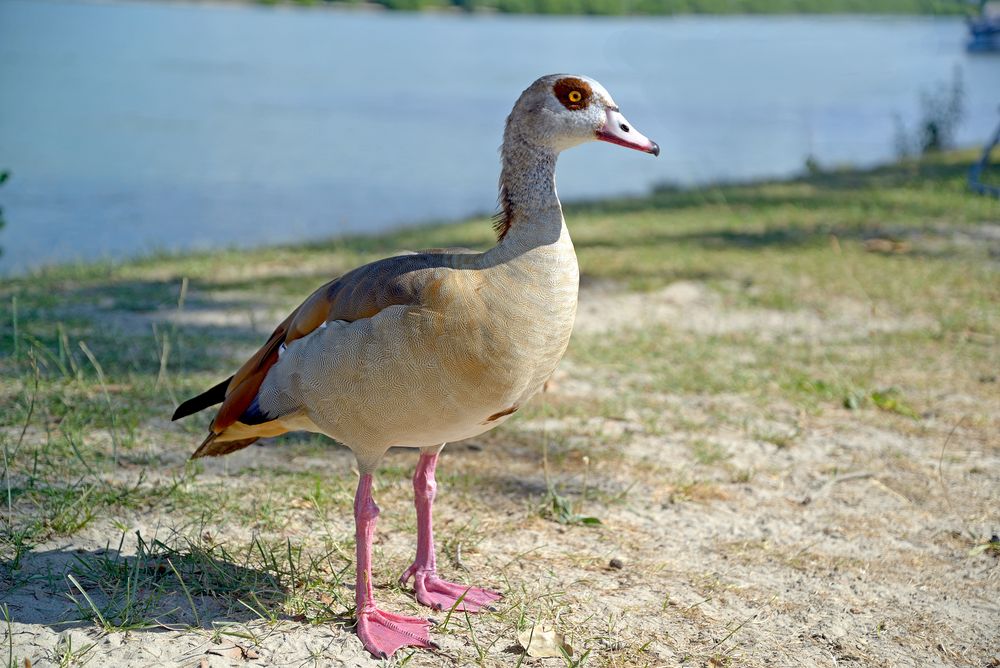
(655,149)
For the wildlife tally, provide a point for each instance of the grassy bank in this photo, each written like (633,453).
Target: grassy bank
(776,392)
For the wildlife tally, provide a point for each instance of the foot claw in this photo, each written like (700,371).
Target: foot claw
(407,574)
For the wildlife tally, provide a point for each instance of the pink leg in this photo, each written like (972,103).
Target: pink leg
(382,633)
(431,590)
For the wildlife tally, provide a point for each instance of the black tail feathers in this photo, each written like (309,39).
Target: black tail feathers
(210,397)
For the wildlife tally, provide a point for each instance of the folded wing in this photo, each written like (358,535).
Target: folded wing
(361,293)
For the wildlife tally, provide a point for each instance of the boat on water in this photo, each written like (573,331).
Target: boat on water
(984,28)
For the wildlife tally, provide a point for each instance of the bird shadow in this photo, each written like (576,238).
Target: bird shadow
(160,587)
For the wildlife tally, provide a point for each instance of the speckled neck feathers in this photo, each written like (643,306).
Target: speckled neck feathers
(527,185)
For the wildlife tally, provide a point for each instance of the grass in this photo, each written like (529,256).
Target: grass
(868,297)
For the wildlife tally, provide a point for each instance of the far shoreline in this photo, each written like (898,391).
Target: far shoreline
(741,8)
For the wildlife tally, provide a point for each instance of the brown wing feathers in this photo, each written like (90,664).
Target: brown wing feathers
(210,447)
(247,380)
(321,306)
(358,294)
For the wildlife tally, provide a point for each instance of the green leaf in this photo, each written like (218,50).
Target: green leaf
(891,400)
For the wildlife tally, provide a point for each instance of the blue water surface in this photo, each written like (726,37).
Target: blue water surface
(132,127)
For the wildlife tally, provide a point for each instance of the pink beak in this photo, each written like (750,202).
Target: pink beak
(617,130)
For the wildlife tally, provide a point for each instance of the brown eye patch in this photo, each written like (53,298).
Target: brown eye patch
(574,93)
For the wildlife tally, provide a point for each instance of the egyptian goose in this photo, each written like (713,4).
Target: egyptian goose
(423,349)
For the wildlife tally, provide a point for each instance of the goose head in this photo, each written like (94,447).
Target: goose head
(560,111)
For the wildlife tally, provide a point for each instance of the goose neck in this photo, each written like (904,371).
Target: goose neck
(530,210)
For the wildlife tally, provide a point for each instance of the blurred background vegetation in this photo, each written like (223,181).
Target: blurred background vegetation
(669,7)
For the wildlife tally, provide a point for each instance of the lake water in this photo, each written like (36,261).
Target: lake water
(135,127)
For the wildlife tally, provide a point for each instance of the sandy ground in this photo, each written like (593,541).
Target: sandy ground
(823,538)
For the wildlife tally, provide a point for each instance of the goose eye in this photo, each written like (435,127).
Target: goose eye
(573,93)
